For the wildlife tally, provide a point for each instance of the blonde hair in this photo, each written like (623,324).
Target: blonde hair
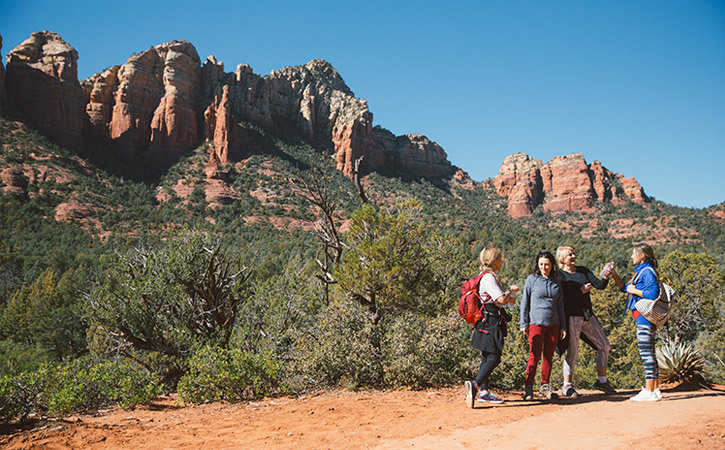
(487,257)
(648,252)
(561,252)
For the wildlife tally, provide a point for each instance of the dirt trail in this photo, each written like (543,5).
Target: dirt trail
(435,419)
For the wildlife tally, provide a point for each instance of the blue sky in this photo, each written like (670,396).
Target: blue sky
(637,85)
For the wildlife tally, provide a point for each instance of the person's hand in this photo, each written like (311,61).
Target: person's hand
(586,288)
(514,288)
(525,330)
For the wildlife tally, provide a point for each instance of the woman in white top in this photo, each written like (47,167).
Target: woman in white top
(489,332)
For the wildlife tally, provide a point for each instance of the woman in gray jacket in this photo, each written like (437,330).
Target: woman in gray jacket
(542,317)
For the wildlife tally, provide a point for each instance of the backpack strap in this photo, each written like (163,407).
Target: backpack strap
(640,273)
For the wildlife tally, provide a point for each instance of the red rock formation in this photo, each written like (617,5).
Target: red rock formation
(633,189)
(155,103)
(315,99)
(566,183)
(222,127)
(42,83)
(72,211)
(13,182)
(99,93)
(602,183)
(519,179)
(217,193)
(351,142)
(161,102)
(720,214)
(463,180)
(421,156)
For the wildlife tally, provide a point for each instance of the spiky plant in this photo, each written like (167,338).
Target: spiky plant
(679,363)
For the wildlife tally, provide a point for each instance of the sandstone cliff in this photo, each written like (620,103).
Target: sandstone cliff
(317,102)
(163,101)
(566,183)
(41,82)
(149,106)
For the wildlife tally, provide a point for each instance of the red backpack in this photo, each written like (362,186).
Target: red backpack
(470,305)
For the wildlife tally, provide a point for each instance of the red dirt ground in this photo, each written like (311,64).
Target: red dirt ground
(436,419)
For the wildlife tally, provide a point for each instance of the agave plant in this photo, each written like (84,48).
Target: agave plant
(679,362)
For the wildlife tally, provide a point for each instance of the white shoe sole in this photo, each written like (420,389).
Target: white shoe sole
(470,396)
(649,398)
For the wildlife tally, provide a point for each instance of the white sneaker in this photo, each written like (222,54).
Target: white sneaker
(645,396)
(658,393)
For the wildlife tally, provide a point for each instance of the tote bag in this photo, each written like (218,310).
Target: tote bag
(657,310)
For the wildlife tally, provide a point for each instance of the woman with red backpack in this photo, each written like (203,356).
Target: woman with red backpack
(490,330)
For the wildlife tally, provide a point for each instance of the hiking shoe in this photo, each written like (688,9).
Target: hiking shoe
(471,392)
(569,392)
(488,398)
(605,387)
(545,391)
(645,396)
(528,393)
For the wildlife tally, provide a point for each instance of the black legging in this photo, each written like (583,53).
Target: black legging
(489,361)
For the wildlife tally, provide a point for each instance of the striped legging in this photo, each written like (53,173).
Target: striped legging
(646,345)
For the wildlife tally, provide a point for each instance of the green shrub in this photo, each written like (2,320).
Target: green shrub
(422,352)
(712,347)
(338,350)
(158,304)
(18,394)
(80,385)
(511,371)
(227,374)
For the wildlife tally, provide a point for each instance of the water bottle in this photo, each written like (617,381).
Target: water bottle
(607,270)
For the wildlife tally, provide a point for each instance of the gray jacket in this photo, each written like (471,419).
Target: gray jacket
(542,302)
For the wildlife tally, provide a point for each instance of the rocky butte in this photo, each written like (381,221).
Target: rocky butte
(41,81)
(164,101)
(566,183)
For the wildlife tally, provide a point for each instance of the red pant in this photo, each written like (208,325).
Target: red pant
(541,338)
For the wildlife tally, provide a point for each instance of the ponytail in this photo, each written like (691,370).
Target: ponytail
(648,253)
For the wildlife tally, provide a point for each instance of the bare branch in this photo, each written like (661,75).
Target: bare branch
(357,182)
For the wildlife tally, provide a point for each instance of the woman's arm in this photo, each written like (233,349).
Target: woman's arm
(597,282)
(562,314)
(525,304)
(618,281)
(493,289)
(647,281)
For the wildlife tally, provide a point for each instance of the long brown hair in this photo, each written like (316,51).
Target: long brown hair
(648,253)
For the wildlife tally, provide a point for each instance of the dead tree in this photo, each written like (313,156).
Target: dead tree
(356,181)
(315,190)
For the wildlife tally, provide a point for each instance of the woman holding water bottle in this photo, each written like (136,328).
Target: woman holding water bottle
(576,282)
